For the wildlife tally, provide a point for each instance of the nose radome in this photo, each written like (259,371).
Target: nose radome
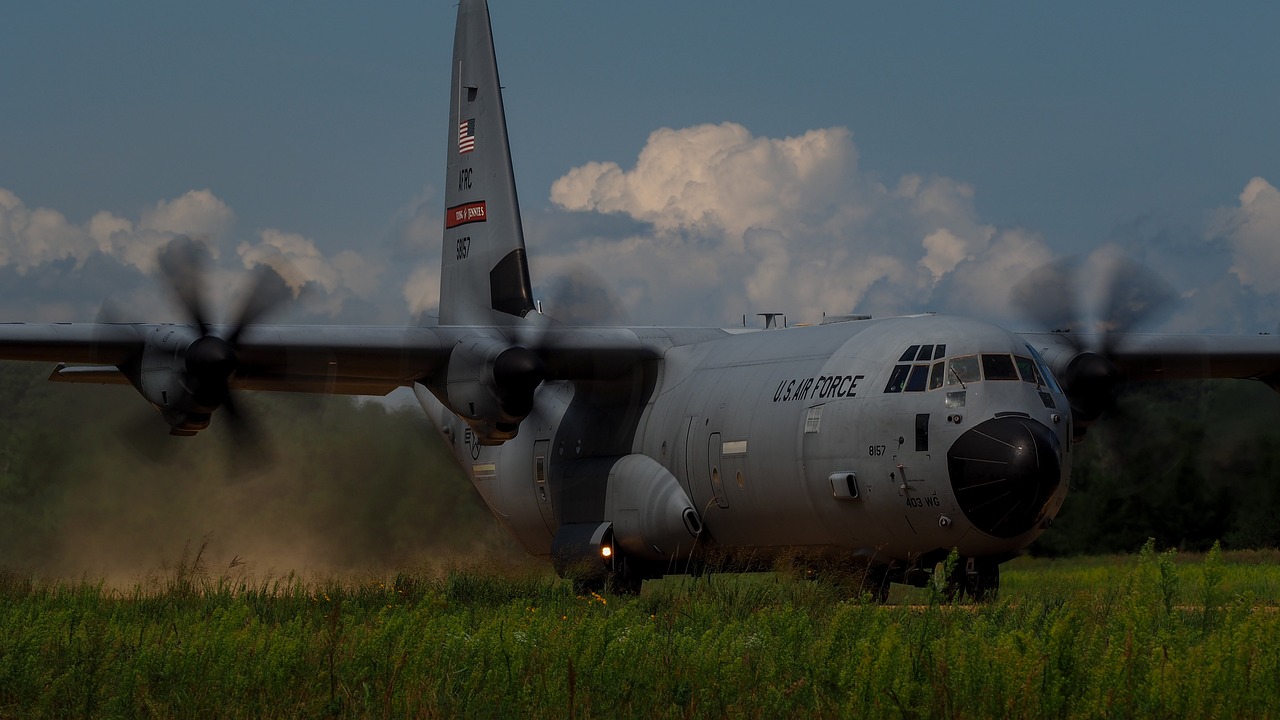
(1003,472)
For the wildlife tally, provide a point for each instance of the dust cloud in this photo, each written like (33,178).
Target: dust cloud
(92,488)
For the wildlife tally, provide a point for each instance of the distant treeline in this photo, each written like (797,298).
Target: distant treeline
(1186,463)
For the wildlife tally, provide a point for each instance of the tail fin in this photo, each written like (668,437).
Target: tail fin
(484,276)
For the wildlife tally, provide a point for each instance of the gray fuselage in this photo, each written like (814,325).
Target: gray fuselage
(821,438)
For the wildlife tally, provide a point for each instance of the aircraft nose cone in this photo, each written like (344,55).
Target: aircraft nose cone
(1003,472)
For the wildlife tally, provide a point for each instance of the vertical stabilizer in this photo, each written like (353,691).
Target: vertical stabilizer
(484,276)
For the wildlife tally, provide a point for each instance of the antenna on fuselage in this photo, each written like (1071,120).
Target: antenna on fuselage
(771,319)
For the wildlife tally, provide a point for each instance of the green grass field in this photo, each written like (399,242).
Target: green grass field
(1149,635)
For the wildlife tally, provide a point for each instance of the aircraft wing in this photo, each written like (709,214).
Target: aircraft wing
(362,360)
(96,343)
(375,360)
(351,360)
(1173,357)
(331,359)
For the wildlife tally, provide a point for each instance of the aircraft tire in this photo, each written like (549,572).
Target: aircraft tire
(981,585)
(984,584)
(875,581)
(629,574)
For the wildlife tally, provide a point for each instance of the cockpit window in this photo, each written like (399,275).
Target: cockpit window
(1027,369)
(925,367)
(936,375)
(1045,375)
(962,370)
(922,368)
(919,376)
(998,367)
(898,379)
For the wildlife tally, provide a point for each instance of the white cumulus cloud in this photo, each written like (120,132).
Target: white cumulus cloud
(421,291)
(301,264)
(33,239)
(30,237)
(718,178)
(1252,231)
(742,224)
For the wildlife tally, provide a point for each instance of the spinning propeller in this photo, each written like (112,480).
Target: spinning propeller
(1130,295)
(188,379)
(211,360)
(491,381)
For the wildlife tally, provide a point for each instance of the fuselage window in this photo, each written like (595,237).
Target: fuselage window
(919,377)
(939,351)
(926,353)
(910,354)
(962,370)
(998,367)
(898,378)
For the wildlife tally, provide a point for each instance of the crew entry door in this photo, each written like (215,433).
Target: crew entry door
(715,470)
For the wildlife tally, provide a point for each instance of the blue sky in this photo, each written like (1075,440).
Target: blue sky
(955,146)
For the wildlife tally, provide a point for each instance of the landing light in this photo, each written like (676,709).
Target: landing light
(606,551)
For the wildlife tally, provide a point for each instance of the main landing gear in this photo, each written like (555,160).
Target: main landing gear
(971,579)
(586,554)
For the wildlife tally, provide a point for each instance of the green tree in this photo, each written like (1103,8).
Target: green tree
(1187,463)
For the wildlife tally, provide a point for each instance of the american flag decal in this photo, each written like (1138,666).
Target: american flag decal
(467,136)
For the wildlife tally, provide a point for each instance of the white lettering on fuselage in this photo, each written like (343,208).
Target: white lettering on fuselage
(822,387)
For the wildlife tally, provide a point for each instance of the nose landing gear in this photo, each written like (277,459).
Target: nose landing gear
(971,579)
(975,579)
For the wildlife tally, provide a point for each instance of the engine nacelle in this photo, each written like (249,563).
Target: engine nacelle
(651,515)
(489,383)
(161,376)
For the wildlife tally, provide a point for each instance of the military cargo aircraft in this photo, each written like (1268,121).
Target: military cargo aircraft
(637,451)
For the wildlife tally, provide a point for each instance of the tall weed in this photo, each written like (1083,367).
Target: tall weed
(1084,639)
